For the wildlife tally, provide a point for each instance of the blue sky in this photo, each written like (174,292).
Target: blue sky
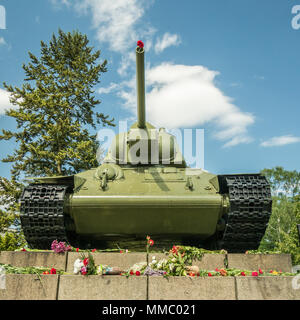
(231,67)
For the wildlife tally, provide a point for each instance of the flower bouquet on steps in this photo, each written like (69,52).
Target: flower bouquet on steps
(85,265)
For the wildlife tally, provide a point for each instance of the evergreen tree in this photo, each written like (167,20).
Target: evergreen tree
(54,113)
(55,108)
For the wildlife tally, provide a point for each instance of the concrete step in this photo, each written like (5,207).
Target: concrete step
(65,261)
(71,287)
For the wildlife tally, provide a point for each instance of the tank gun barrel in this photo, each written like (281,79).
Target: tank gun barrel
(140,85)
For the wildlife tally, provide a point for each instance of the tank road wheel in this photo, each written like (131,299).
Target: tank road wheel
(249,213)
(42,215)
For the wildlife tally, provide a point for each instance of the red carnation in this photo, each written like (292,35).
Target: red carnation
(151,242)
(209,274)
(140,44)
(131,272)
(243,274)
(260,271)
(254,274)
(23,249)
(77,249)
(53,271)
(86,261)
(137,273)
(94,250)
(121,251)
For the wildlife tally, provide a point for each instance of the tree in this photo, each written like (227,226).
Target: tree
(290,241)
(54,115)
(281,233)
(56,108)
(11,236)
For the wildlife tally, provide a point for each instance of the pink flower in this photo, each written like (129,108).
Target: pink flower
(121,251)
(60,247)
(94,250)
(83,271)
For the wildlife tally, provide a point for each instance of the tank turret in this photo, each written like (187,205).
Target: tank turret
(143,144)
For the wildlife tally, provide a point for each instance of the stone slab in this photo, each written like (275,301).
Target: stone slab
(34,259)
(29,287)
(122,260)
(267,288)
(72,287)
(187,288)
(208,261)
(265,262)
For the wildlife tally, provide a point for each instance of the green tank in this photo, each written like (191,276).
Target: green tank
(144,187)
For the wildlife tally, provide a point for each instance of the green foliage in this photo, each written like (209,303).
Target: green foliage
(9,207)
(290,241)
(11,241)
(281,234)
(26,270)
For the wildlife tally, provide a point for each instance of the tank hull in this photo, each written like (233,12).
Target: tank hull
(229,212)
(177,215)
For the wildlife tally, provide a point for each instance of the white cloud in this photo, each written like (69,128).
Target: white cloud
(166,41)
(2,41)
(183,96)
(114,21)
(127,61)
(4,101)
(108,89)
(280,141)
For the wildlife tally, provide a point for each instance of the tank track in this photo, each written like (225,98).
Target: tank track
(42,216)
(250,211)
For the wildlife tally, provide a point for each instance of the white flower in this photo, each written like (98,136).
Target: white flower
(153,258)
(138,266)
(78,264)
(171,266)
